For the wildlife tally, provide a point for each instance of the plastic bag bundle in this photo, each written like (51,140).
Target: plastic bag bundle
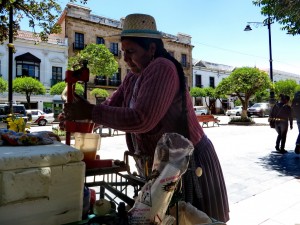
(190,215)
(170,163)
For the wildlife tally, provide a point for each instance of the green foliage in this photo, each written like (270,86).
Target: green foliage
(207,92)
(197,92)
(28,86)
(100,60)
(58,132)
(58,88)
(99,92)
(3,85)
(285,12)
(244,82)
(287,87)
(237,102)
(262,96)
(243,120)
(42,14)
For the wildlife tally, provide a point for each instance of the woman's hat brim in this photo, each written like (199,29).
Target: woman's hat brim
(117,37)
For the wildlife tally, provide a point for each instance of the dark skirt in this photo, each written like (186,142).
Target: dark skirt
(207,192)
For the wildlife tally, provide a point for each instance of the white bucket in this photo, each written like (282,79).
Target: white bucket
(88,143)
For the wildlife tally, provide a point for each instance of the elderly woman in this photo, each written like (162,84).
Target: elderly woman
(153,100)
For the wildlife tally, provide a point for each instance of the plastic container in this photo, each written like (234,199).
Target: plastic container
(79,126)
(88,143)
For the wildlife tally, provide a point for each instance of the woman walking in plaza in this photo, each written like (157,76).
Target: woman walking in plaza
(282,113)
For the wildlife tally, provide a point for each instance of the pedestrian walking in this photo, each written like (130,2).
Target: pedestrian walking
(282,114)
(296,114)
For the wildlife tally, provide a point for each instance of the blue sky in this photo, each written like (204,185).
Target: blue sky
(216,27)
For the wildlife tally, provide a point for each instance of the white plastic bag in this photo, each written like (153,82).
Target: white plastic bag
(190,215)
(170,163)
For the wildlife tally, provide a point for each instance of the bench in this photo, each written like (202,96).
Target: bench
(204,119)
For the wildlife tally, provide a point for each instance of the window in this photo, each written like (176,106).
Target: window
(198,81)
(100,40)
(114,48)
(56,75)
(28,65)
(28,69)
(212,82)
(100,80)
(115,80)
(172,54)
(79,41)
(183,60)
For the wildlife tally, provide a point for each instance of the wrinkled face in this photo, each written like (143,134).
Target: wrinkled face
(136,57)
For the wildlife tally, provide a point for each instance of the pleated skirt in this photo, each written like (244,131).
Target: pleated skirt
(207,192)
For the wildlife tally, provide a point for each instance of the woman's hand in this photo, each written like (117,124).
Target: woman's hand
(79,109)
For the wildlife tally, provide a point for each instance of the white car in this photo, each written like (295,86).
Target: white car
(236,111)
(39,117)
(200,110)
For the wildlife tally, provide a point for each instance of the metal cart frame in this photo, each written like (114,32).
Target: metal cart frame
(116,182)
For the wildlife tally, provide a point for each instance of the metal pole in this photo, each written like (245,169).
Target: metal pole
(270,50)
(272,95)
(10,60)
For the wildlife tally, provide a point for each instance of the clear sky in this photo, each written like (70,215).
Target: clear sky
(216,28)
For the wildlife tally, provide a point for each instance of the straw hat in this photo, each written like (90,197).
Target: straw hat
(138,25)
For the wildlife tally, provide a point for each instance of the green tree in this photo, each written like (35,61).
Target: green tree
(262,96)
(3,85)
(244,82)
(42,14)
(58,88)
(197,92)
(287,87)
(100,60)
(211,97)
(99,92)
(28,86)
(285,12)
(209,93)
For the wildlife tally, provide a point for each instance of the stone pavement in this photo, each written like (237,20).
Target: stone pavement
(263,186)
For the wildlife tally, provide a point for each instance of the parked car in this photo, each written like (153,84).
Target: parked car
(200,110)
(259,109)
(235,111)
(39,117)
(19,110)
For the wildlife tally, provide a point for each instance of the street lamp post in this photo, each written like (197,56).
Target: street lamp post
(10,59)
(268,24)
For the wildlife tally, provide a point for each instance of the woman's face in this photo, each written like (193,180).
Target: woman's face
(136,57)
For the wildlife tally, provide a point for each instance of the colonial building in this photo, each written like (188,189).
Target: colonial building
(82,28)
(282,75)
(45,61)
(208,74)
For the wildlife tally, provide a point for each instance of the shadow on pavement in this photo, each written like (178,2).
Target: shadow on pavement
(287,164)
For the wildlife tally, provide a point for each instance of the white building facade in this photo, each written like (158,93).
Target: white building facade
(208,74)
(45,61)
